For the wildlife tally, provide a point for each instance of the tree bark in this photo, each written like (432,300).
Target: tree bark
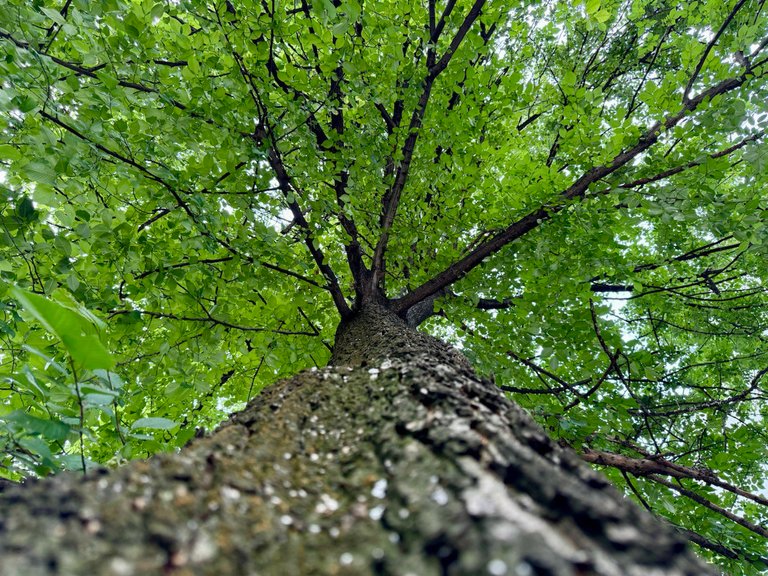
(394,460)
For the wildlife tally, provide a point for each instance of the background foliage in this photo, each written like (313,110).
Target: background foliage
(206,177)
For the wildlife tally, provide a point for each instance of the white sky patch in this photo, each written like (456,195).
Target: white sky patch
(226,207)
(285,215)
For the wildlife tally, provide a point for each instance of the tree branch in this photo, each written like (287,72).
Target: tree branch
(128,161)
(210,319)
(263,134)
(576,191)
(693,406)
(655,464)
(341,180)
(391,197)
(708,48)
(564,386)
(703,542)
(681,168)
(91,73)
(699,499)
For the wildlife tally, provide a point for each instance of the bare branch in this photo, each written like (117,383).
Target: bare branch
(469,20)
(681,168)
(182,265)
(438,29)
(564,386)
(612,364)
(159,213)
(341,180)
(631,107)
(291,194)
(493,304)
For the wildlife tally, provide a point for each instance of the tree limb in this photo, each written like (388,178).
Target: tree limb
(210,319)
(391,197)
(263,134)
(576,191)
(709,46)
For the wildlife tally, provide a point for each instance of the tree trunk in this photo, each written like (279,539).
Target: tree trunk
(395,460)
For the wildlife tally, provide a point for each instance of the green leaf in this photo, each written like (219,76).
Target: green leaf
(25,209)
(9,152)
(154,424)
(26,104)
(39,447)
(161,205)
(54,15)
(40,172)
(602,16)
(76,330)
(157,11)
(592,6)
(49,429)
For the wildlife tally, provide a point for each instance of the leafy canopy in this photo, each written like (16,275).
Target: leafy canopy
(575,192)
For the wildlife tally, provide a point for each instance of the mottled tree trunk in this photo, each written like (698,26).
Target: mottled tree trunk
(395,460)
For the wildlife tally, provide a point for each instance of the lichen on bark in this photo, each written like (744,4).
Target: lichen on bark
(394,460)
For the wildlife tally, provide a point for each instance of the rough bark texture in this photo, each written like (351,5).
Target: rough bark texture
(396,461)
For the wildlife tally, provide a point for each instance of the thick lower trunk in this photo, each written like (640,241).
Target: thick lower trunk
(396,460)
